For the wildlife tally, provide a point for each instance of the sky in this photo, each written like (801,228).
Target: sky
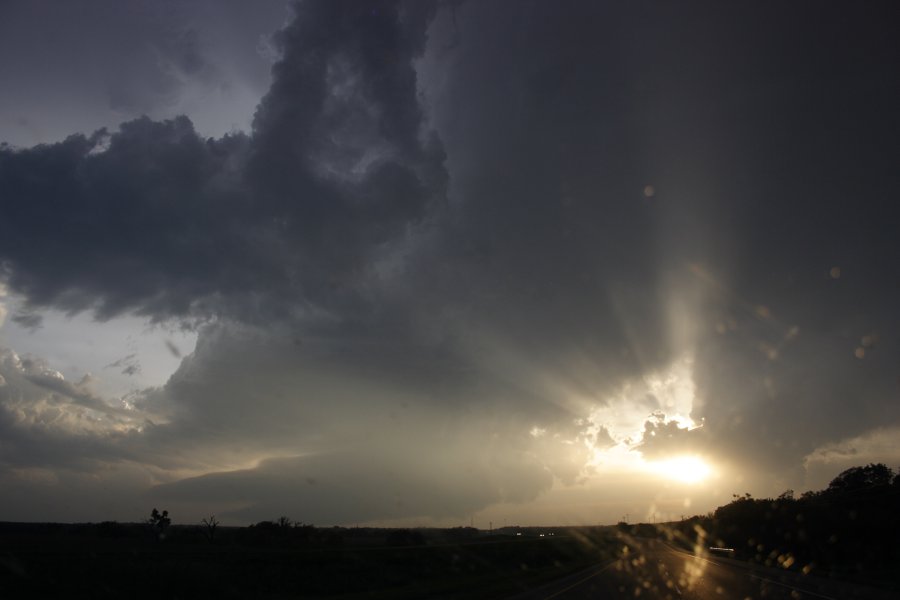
(443,263)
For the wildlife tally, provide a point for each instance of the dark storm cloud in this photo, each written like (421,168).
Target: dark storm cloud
(770,145)
(169,224)
(341,159)
(28,320)
(294,220)
(77,67)
(360,398)
(460,343)
(173,349)
(129,364)
(662,438)
(382,436)
(358,486)
(134,212)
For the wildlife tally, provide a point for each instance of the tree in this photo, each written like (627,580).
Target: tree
(786,495)
(160,522)
(861,478)
(210,523)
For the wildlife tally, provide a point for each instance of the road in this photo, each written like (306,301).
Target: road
(651,569)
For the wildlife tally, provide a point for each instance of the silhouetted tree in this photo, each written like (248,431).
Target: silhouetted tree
(850,526)
(861,478)
(160,522)
(210,523)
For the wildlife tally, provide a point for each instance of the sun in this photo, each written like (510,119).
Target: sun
(686,469)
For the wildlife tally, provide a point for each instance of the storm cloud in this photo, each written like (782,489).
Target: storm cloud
(467,249)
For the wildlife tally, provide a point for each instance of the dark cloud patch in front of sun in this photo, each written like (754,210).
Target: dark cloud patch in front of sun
(28,320)
(663,438)
(129,365)
(173,349)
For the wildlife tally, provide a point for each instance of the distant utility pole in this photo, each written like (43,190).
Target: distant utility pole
(491,527)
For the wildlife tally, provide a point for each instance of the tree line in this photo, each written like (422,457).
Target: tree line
(850,528)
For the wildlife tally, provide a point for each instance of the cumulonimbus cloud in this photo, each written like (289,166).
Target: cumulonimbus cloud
(374,292)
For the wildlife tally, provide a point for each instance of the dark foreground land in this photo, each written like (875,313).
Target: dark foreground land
(112,560)
(840,543)
(122,560)
(654,569)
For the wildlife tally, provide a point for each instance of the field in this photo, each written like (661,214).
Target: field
(118,560)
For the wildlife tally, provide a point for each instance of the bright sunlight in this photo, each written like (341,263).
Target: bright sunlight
(686,469)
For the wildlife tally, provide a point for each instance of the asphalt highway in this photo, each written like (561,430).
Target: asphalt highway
(651,569)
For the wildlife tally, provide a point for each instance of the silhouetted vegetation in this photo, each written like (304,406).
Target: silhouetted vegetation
(210,524)
(847,530)
(286,558)
(159,523)
(850,529)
